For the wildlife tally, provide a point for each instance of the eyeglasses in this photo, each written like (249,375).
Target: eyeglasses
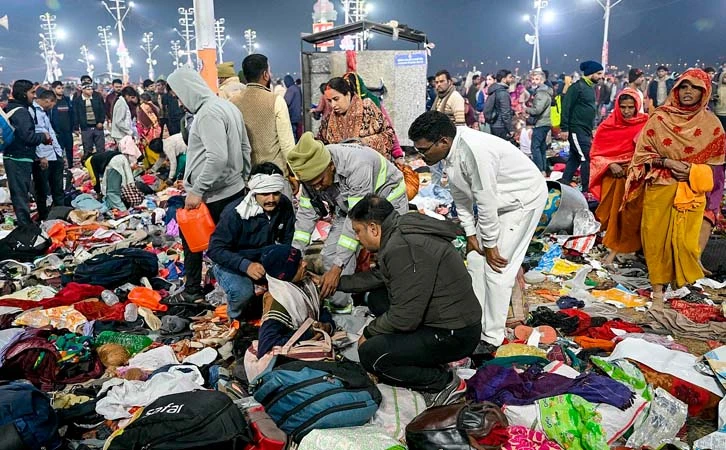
(422,151)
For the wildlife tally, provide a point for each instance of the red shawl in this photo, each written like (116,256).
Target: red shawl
(614,141)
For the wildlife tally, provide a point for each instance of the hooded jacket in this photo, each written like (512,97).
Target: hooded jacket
(427,282)
(500,103)
(218,153)
(26,139)
(293,98)
(541,106)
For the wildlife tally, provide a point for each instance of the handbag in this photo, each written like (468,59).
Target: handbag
(131,195)
(454,427)
(310,350)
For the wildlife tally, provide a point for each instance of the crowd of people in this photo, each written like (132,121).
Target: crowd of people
(648,155)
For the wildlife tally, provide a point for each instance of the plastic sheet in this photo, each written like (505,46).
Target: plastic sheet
(666,417)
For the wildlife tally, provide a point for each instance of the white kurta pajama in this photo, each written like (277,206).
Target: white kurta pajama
(510,194)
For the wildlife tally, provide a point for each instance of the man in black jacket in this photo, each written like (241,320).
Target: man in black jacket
(174,111)
(89,117)
(578,119)
(61,117)
(433,316)
(498,107)
(246,227)
(19,155)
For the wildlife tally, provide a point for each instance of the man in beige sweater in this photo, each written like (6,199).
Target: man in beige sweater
(266,117)
(448,100)
(229,82)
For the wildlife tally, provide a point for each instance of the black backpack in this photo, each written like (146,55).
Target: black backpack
(205,420)
(127,265)
(25,243)
(27,420)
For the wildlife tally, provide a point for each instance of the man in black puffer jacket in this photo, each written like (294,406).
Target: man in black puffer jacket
(19,155)
(432,317)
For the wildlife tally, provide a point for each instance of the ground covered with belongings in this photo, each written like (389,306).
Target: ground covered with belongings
(97,354)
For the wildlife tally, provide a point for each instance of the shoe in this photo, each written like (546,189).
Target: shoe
(184,298)
(453,391)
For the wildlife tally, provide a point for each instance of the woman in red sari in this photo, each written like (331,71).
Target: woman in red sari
(612,150)
(147,121)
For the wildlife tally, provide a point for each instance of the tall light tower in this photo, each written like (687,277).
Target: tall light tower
(149,48)
(87,58)
(49,37)
(324,16)
(220,38)
(175,50)
(188,31)
(356,11)
(251,39)
(607,6)
(534,40)
(104,33)
(118,14)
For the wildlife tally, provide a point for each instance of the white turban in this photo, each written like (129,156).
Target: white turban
(259,184)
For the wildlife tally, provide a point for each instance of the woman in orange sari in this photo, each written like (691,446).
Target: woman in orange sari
(671,169)
(612,150)
(354,118)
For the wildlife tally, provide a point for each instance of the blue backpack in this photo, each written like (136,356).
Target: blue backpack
(28,411)
(7,131)
(301,396)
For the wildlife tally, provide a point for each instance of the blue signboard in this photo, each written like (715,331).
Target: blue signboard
(411,59)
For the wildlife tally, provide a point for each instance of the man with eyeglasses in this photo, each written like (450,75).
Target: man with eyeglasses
(334,179)
(509,193)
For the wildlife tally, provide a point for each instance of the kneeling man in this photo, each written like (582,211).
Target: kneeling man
(433,317)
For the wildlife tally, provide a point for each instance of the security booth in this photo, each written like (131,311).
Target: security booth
(397,76)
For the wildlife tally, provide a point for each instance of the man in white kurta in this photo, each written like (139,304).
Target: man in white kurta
(509,193)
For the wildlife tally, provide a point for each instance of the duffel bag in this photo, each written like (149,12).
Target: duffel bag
(27,420)
(127,265)
(203,420)
(301,396)
(455,427)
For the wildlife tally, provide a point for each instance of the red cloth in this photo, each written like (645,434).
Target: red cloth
(605,331)
(585,320)
(614,141)
(697,312)
(351,61)
(497,437)
(98,310)
(72,293)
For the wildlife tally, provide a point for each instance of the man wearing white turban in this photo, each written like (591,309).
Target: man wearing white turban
(246,227)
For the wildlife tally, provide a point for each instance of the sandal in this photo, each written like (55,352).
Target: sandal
(548,334)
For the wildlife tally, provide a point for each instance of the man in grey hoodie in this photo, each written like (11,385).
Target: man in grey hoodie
(218,160)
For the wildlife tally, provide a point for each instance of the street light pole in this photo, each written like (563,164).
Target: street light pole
(220,38)
(187,21)
(607,6)
(175,49)
(118,14)
(49,28)
(86,59)
(105,34)
(148,40)
(250,38)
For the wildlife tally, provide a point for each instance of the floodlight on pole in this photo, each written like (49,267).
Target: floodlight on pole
(86,59)
(357,11)
(119,11)
(149,48)
(534,40)
(220,38)
(104,33)
(251,41)
(607,6)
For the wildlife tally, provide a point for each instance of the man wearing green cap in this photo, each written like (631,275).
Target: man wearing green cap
(229,83)
(334,179)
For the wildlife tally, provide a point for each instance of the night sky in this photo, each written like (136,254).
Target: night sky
(642,32)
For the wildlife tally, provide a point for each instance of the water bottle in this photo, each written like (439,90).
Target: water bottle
(131,312)
(109,297)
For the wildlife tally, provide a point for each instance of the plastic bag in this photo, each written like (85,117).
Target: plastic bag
(627,373)
(217,297)
(585,223)
(133,343)
(398,408)
(666,417)
(354,438)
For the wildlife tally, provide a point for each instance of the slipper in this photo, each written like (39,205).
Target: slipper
(549,335)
